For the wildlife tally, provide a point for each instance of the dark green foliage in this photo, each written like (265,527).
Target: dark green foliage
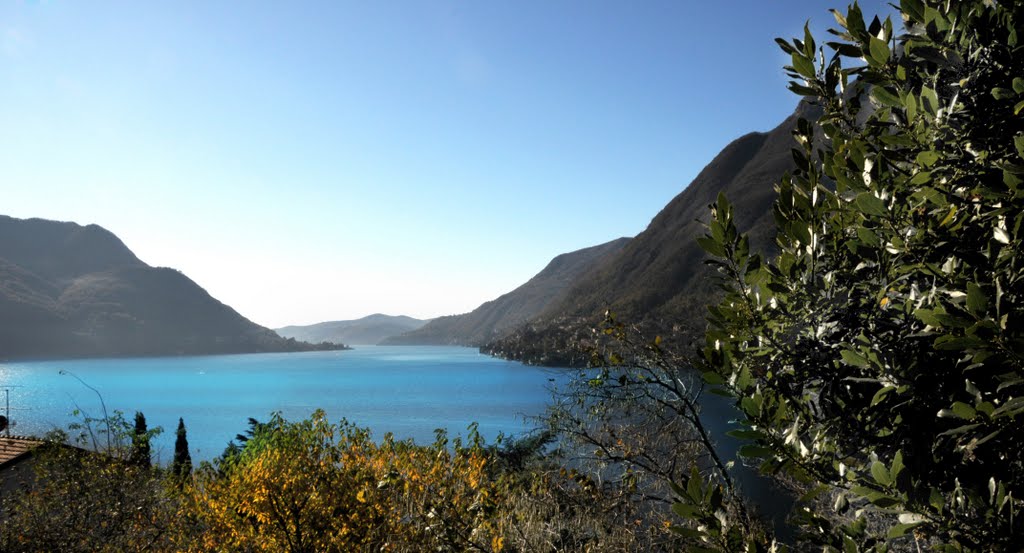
(182,464)
(140,454)
(878,357)
(81,501)
(237,445)
(561,343)
(516,454)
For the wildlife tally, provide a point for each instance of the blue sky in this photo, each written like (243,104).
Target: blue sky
(310,161)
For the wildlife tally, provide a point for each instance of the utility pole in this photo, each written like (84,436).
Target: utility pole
(7,422)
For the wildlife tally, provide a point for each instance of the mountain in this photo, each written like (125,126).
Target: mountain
(68,290)
(369,330)
(658,280)
(495,318)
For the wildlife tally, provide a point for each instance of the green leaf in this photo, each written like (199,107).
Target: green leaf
(963,411)
(1018,85)
(803,65)
(883,96)
(879,50)
(1003,93)
(854,358)
(750,406)
(755,451)
(801,90)
(913,8)
(1018,141)
(711,246)
(949,216)
(927,158)
(922,177)
(1010,408)
(846,49)
(976,300)
(897,465)
(713,378)
(855,19)
(743,378)
(949,342)
(693,487)
(684,510)
(899,530)
(911,104)
(808,40)
(869,204)
(814,493)
(880,473)
(786,46)
(721,392)
(936,500)
(929,100)
(723,207)
(881,393)
(868,238)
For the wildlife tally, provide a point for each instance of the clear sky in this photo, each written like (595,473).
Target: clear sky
(311,161)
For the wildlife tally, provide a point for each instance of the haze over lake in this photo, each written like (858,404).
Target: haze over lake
(406,390)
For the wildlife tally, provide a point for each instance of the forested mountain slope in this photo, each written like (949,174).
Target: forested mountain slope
(495,318)
(72,290)
(369,330)
(658,280)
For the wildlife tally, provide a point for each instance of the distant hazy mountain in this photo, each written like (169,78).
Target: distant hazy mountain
(368,331)
(494,318)
(658,279)
(72,290)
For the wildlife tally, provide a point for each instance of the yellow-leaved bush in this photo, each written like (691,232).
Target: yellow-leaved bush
(316,486)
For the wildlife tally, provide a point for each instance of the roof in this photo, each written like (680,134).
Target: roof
(15,446)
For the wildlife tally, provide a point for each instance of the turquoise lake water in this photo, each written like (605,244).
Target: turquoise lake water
(406,390)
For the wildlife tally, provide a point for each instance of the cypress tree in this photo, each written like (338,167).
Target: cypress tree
(140,454)
(182,466)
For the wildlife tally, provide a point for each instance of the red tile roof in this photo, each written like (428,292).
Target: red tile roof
(15,446)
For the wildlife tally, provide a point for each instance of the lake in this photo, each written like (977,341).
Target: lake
(406,390)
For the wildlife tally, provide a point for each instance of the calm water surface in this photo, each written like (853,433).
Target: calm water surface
(406,390)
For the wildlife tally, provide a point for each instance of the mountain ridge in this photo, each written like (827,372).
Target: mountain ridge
(503,314)
(68,290)
(658,282)
(368,330)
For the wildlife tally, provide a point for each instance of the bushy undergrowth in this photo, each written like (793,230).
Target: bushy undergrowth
(314,486)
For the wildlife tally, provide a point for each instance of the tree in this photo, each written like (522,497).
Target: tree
(86,501)
(633,420)
(182,464)
(878,356)
(315,486)
(140,454)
